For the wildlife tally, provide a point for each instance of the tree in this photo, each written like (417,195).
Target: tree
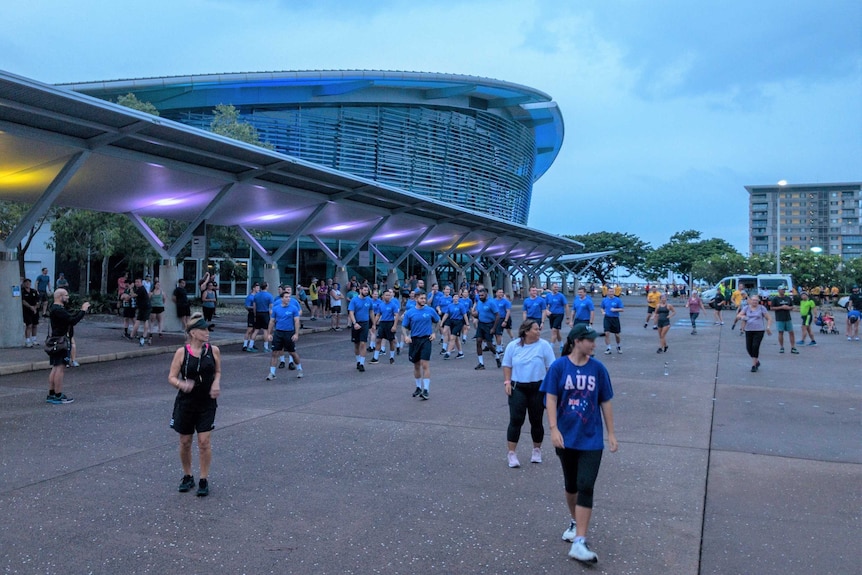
(226,122)
(11,214)
(131,101)
(631,255)
(683,251)
(760,264)
(810,269)
(82,235)
(719,266)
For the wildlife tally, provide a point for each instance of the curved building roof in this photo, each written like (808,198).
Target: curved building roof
(528,107)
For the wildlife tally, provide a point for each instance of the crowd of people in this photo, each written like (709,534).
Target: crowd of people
(573,386)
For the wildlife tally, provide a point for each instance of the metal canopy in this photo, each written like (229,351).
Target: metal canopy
(152,167)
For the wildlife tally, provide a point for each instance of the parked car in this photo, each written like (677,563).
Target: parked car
(768,282)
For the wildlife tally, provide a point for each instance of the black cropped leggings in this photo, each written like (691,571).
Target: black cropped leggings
(526,399)
(752,343)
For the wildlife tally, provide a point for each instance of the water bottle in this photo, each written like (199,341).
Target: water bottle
(666,372)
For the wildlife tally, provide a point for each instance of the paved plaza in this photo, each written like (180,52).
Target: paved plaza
(719,471)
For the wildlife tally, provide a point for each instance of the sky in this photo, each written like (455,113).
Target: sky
(670,107)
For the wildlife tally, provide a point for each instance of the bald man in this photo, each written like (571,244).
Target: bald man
(61,325)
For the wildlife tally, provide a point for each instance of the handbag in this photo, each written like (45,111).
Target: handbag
(56,344)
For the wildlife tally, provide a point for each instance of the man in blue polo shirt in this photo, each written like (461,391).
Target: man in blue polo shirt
(487,315)
(262,305)
(558,310)
(284,330)
(534,307)
(418,327)
(386,314)
(359,316)
(583,309)
(612,305)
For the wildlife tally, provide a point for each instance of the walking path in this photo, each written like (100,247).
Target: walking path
(720,470)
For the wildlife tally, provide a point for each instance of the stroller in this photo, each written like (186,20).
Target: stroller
(826,321)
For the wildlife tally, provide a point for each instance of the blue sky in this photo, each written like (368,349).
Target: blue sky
(670,107)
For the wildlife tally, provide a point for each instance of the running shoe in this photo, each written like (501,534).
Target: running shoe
(291,366)
(479,367)
(418,392)
(424,394)
(281,365)
(570,533)
(619,349)
(608,351)
(61,399)
(781,350)
(203,488)
(581,551)
(459,356)
(812,343)
(499,361)
(186,484)
(391,360)
(513,460)
(446,356)
(794,350)
(537,455)
(373,360)
(300,375)
(270,377)
(361,367)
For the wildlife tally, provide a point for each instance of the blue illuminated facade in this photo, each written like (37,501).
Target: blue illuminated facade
(472,142)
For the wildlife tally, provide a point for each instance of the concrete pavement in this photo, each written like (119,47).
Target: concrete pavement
(719,470)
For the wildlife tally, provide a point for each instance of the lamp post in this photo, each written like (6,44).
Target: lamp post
(781,184)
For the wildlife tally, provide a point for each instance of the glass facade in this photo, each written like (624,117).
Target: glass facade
(471,159)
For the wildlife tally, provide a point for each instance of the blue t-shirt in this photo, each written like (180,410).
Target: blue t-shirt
(284,315)
(441,302)
(42,282)
(487,311)
(580,391)
(388,311)
(249,301)
(419,321)
(361,308)
(503,306)
(455,311)
(556,303)
(466,305)
(582,308)
(262,300)
(534,306)
(610,302)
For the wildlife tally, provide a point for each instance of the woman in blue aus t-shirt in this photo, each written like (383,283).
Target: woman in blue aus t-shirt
(578,397)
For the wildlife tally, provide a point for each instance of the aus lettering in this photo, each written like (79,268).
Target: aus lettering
(582,382)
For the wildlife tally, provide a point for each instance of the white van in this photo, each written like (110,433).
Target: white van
(749,283)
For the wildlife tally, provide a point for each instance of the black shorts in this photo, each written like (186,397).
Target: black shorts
(485,331)
(612,324)
(806,319)
(261,320)
(384,330)
(420,349)
(556,320)
(31,318)
(143,314)
(455,326)
(156,310)
(336,309)
(650,309)
(184,310)
(192,414)
(361,334)
(282,340)
(249,319)
(129,312)
(61,358)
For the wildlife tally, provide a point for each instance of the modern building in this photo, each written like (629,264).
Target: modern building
(805,216)
(464,141)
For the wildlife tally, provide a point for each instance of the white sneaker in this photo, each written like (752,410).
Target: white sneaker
(608,351)
(619,349)
(270,377)
(513,460)
(537,455)
(582,552)
(570,533)
(300,375)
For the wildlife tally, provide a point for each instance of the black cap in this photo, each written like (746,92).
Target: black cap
(583,331)
(200,324)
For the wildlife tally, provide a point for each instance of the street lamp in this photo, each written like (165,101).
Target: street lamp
(781,184)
